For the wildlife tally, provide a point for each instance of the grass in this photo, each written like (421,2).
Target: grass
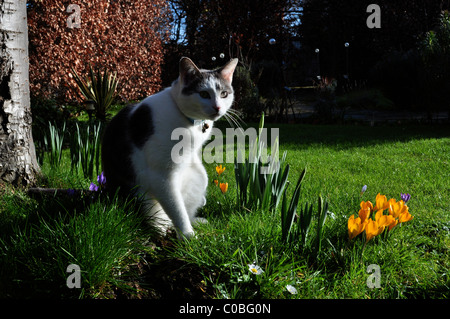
(414,261)
(117,254)
(40,241)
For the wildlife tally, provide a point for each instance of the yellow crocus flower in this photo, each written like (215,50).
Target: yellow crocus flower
(223,187)
(355,226)
(366,205)
(398,208)
(373,229)
(393,223)
(405,217)
(220,169)
(381,202)
(366,209)
(384,220)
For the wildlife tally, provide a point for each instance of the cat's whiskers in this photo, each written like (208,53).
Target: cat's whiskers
(234,118)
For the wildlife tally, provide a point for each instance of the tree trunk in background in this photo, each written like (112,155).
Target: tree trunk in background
(18,165)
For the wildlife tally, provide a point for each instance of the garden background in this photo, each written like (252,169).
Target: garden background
(361,111)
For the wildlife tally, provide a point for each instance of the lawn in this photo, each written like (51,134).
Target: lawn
(239,253)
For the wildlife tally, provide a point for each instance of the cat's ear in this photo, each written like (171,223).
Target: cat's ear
(227,71)
(188,68)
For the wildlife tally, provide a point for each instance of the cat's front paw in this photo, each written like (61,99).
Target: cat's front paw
(199,220)
(186,235)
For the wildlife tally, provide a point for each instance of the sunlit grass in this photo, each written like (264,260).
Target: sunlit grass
(39,239)
(414,260)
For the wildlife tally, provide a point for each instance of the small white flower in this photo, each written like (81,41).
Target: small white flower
(255,269)
(291,289)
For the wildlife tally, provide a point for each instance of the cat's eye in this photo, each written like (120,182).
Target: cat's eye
(223,94)
(204,95)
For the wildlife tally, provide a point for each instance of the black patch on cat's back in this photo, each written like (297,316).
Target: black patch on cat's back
(116,150)
(140,125)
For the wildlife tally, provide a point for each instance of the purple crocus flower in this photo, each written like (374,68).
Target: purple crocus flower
(363,190)
(93,187)
(101,179)
(405,197)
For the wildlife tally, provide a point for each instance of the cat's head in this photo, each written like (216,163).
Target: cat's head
(204,94)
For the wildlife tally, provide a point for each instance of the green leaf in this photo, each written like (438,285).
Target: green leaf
(321,218)
(284,219)
(288,214)
(99,88)
(305,222)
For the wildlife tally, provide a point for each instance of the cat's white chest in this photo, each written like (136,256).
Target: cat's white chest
(187,143)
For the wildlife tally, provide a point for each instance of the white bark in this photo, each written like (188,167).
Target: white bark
(18,163)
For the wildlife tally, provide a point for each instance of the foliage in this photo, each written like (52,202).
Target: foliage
(54,142)
(263,186)
(326,98)
(234,27)
(397,76)
(261,181)
(43,112)
(435,53)
(99,88)
(418,77)
(365,99)
(84,145)
(288,212)
(327,25)
(436,44)
(117,35)
(299,235)
(247,99)
(268,75)
(99,237)
(85,149)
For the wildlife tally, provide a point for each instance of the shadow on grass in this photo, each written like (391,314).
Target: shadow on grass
(120,256)
(40,237)
(346,136)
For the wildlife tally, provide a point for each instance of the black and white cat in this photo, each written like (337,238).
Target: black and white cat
(137,147)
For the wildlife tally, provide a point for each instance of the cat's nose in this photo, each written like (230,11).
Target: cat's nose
(216,108)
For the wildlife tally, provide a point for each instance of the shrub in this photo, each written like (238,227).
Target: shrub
(365,99)
(118,35)
(100,88)
(325,106)
(246,93)
(434,50)
(397,76)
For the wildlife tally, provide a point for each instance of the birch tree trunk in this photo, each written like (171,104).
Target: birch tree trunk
(18,164)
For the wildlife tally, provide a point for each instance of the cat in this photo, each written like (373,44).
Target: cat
(137,145)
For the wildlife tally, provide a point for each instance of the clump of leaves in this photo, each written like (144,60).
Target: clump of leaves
(100,88)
